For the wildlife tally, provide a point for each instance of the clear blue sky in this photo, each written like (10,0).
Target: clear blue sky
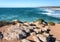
(28,3)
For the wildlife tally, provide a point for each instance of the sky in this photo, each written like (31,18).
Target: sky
(28,3)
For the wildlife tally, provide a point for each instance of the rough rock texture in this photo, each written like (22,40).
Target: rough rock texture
(26,32)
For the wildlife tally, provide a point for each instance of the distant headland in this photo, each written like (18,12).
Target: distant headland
(51,7)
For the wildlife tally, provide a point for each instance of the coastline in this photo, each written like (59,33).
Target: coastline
(30,31)
(51,7)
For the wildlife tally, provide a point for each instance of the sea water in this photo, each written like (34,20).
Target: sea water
(29,14)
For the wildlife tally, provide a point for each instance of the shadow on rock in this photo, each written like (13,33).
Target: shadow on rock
(50,38)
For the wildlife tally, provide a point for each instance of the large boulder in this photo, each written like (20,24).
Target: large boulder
(17,32)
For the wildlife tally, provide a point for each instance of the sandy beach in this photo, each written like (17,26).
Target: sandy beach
(55,31)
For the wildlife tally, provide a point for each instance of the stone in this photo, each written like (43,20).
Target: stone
(17,21)
(36,39)
(46,34)
(13,33)
(1,35)
(37,30)
(25,40)
(32,25)
(41,37)
(33,33)
(57,41)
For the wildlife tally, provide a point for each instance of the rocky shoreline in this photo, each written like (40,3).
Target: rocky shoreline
(17,31)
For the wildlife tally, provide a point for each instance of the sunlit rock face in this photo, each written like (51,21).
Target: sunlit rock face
(25,40)
(27,32)
(13,33)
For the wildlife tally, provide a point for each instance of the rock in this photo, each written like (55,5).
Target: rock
(50,38)
(4,23)
(1,35)
(37,30)
(41,37)
(33,33)
(32,25)
(26,23)
(21,31)
(13,33)
(51,23)
(25,40)
(57,41)
(17,21)
(44,29)
(31,30)
(46,34)
(36,39)
(40,21)
(45,23)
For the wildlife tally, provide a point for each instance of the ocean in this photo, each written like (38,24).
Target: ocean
(29,14)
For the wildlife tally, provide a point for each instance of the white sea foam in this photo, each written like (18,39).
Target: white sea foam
(52,13)
(48,10)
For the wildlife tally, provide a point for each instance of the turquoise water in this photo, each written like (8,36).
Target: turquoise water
(29,14)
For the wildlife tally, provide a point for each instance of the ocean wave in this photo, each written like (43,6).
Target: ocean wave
(48,10)
(52,13)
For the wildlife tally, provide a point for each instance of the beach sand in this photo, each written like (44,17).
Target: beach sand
(55,30)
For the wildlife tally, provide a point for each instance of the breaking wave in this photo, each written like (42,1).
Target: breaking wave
(53,13)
